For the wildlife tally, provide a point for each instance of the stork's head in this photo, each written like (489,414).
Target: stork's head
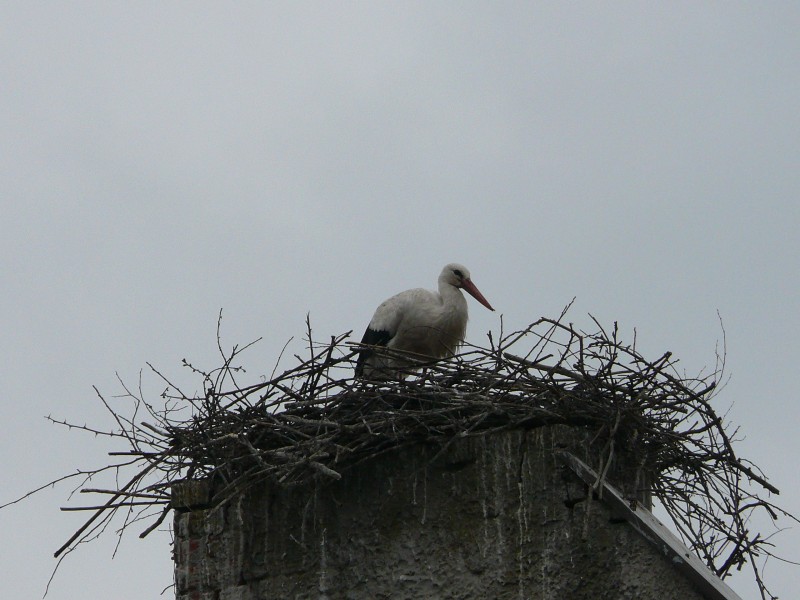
(458,276)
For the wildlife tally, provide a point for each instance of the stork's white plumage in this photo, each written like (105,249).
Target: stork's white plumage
(419,321)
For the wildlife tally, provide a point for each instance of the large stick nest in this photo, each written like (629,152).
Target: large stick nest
(315,421)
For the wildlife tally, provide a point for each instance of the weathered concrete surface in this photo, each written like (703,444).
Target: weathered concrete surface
(495,517)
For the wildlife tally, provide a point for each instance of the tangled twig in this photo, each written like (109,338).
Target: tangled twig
(314,420)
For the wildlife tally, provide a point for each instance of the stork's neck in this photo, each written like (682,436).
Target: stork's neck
(452,298)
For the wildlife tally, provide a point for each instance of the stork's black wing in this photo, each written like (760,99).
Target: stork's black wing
(371,338)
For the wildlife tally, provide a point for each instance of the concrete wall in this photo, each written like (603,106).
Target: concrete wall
(495,517)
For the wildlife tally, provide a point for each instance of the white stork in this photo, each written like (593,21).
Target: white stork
(419,321)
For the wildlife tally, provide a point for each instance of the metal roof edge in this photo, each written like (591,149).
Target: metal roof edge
(655,532)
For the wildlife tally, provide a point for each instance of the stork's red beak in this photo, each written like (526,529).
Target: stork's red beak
(475,293)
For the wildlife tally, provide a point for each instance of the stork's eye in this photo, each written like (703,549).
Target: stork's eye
(458,273)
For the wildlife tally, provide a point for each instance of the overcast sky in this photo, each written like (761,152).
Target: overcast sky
(161,161)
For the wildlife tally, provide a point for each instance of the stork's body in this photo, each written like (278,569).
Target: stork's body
(422,322)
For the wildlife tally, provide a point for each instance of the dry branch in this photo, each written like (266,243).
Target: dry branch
(314,420)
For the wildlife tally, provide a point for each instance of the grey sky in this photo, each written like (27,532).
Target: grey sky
(160,162)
